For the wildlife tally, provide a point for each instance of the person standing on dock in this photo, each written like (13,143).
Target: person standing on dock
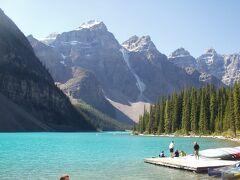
(171,149)
(196,148)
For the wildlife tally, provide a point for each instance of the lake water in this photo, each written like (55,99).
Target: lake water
(112,155)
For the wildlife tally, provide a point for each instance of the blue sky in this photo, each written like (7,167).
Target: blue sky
(193,24)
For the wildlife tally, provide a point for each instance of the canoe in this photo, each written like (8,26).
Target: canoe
(221,153)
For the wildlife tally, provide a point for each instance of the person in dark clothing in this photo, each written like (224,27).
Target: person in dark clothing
(196,148)
(176,153)
(162,154)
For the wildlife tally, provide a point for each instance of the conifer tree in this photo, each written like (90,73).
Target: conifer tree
(167,118)
(186,113)
(193,116)
(236,104)
(161,126)
(202,116)
(213,111)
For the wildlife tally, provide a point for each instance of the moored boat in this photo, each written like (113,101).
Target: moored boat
(222,153)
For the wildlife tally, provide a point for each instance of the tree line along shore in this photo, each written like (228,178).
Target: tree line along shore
(193,111)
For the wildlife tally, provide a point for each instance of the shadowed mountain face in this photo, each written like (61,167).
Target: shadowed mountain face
(27,85)
(120,74)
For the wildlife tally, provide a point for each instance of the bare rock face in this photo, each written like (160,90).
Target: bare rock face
(25,82)
(52,60)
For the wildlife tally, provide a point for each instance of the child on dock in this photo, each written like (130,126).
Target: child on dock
(162,154)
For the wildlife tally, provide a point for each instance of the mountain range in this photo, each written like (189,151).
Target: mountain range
(117,79)
(224,67)
(85,80)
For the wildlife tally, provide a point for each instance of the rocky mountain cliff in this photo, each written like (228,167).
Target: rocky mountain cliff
(93,47)
(28,90)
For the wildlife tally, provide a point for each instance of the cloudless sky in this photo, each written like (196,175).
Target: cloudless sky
(193,24)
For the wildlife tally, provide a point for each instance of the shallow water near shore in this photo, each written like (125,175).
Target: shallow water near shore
(109,155)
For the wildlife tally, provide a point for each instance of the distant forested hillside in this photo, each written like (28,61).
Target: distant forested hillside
(194,111)
(100,121)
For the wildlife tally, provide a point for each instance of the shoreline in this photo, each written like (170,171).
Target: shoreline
(194,136)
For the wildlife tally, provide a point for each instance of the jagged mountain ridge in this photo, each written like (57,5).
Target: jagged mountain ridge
(223,67)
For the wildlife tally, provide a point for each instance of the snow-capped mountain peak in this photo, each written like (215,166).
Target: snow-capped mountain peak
(92,24)
(136,43)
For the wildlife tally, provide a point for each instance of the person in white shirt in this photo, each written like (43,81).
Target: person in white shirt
(171,148)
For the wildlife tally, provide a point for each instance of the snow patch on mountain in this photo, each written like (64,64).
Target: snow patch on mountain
(50,38)
(140,85)
(90,24)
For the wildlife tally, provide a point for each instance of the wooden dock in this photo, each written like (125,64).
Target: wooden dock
(190,163)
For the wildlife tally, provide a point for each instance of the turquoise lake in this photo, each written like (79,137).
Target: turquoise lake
(112,155)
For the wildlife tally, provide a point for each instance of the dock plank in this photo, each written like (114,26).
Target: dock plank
(190,163)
